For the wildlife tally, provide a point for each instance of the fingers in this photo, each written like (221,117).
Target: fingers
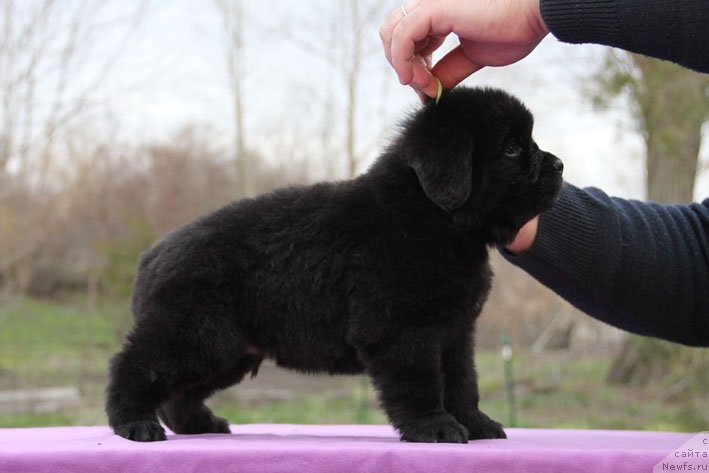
(409,42)
(428,46)
(412,29)
(451,70)
(455,66)
(386,31)
(406,37)
(422,80)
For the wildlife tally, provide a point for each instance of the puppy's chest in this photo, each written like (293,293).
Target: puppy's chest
(426,254)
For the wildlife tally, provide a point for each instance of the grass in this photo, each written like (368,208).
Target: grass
(308,410)
(61,343)
(49,343)
(36,420)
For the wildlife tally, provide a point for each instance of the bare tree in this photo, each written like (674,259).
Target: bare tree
(51,67)
(353,18)
(669,106)
(232,14)
(50,72)
(351,70)
(349,46)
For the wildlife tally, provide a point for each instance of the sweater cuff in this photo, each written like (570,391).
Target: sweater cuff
(573,236)
(585,21)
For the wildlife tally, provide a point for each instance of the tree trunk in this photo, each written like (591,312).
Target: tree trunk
(671,164)
(672,105)
(232,14)
(353,73)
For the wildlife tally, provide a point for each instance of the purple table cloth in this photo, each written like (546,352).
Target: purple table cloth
(331,449)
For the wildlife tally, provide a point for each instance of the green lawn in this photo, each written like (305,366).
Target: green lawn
(45,344)
(55,343)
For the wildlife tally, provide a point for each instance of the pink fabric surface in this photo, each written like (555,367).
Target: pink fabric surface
(261,448)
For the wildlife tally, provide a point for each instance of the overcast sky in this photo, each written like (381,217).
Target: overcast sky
(172,73)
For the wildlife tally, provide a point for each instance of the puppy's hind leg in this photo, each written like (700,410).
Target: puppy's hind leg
(186,413)
(132,397)
(159,362)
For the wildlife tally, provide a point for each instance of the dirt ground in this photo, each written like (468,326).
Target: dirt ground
(277,384)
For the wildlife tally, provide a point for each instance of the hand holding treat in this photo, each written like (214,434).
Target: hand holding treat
(491,33)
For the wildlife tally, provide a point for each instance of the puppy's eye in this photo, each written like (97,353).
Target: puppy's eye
(512,150)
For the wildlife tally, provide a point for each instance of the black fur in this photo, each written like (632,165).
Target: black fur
(383,274)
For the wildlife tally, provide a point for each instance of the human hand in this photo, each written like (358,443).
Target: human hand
(491,33)
(525,237)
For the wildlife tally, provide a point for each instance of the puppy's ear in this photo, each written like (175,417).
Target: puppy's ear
(445,172)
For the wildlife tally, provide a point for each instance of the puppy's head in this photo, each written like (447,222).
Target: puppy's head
(475,158)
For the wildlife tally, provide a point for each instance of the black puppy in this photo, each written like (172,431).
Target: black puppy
(383,274)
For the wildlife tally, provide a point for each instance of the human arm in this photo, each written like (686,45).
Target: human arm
(642,267)
(672,30)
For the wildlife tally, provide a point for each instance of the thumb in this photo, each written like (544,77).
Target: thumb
(455,66)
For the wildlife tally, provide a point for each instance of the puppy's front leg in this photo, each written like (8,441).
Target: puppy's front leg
(461,390)
(408,378)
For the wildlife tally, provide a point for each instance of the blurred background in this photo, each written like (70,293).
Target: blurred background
(122,120)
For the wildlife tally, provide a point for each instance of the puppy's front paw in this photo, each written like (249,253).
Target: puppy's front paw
(480,426)
(441,428)
(142,431)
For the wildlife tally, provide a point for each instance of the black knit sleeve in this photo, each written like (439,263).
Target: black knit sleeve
(642,267)
(675,30)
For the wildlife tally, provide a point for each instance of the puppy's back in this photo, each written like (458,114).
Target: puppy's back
(245,238)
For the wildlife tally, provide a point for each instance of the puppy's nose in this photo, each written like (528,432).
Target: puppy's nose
(558,165)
